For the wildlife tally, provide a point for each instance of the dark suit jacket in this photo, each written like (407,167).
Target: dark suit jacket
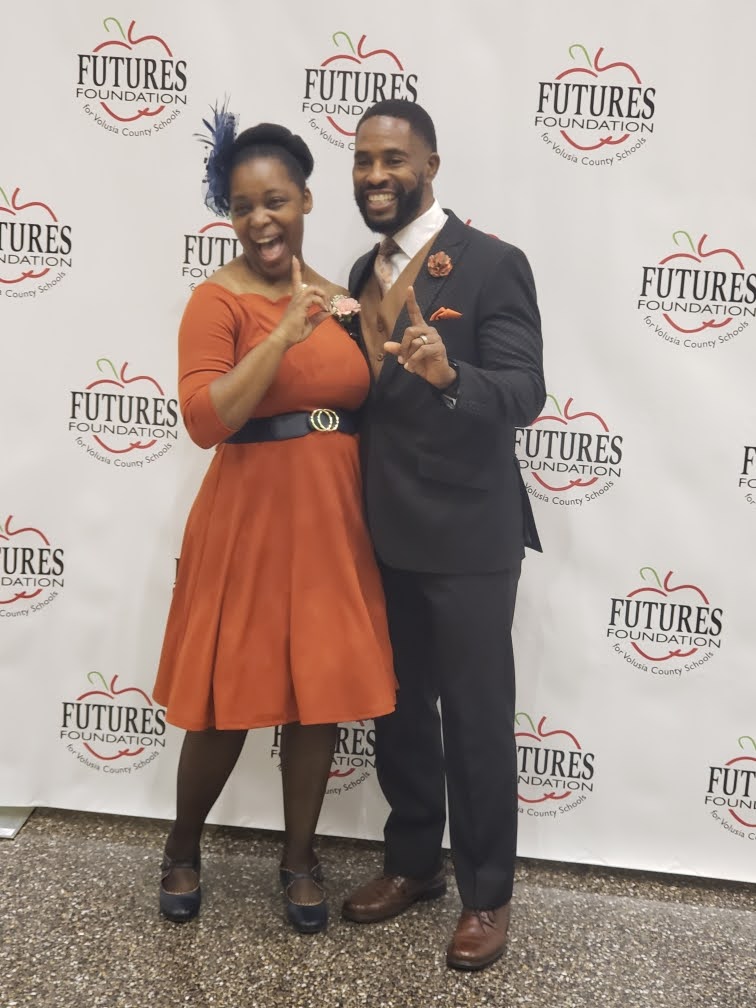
(442,486)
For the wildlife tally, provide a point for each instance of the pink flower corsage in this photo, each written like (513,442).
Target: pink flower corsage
(344,309)
(439,264)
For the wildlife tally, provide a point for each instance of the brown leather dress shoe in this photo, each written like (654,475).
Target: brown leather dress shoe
(479,939)
(390,895)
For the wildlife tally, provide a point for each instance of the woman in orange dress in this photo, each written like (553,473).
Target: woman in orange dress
(277,615)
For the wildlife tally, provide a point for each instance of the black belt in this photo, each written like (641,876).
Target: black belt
(293,425)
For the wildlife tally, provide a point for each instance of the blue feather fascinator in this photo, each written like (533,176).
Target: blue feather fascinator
(219,138)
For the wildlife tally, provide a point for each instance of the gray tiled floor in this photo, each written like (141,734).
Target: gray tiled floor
(80,928)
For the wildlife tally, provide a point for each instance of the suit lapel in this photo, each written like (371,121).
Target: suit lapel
(452,239)
(361,270)
(358,277)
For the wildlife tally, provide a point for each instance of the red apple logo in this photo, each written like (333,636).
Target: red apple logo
(336,772)
(751,765)
(35,213)
(536,736)
(697,255)
(130,43)
(616,73)
(358,57)
(586,421)
(664,590)
(208,248)
(219,249)
(111,694)
(121,382)
(215,224)
(341,773)
(31,538)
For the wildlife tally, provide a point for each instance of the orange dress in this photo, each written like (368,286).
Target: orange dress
(278,613)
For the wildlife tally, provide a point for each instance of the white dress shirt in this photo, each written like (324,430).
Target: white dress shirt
(416,234)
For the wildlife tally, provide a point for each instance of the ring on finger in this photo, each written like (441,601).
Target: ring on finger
(423,337)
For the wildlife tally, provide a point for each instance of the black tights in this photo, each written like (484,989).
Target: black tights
(207,759)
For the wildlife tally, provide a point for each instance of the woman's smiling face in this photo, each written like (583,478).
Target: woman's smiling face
(267,214)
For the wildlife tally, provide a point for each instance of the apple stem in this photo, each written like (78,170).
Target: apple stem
(583,50)
(690,240)
(107,361)
(97,676)
(656,576)
(344,35)
(566,411)
(7,201)
(527,717)
(750,739)
(558,407)
(115,21)
(701,240)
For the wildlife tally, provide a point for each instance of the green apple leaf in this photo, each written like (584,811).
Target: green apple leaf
(107,360)
(343,35)
(583,50)
(656,576)
(117,22)
(527,717)
(97,676)
(690,240)
(558,407)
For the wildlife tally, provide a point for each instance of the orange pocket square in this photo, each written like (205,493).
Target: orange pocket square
(444,313)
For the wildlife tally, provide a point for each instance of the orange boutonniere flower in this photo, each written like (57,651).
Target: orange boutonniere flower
(439,264)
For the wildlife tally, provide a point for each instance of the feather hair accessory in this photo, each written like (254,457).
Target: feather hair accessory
(220,136)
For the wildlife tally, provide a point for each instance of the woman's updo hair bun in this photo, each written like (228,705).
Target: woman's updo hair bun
(272,140)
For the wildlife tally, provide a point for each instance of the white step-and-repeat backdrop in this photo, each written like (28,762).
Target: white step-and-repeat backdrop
(614,144)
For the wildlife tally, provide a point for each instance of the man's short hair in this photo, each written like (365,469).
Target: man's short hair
(399,108)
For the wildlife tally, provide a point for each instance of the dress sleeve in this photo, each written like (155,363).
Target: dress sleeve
(207,339)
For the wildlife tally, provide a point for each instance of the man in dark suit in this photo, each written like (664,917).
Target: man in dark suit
(451,330)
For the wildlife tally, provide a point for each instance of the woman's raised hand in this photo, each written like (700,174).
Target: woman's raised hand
(299,318)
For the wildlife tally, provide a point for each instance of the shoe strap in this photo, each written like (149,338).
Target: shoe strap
(317,885)
(315,873)
(292,877)
(169,864)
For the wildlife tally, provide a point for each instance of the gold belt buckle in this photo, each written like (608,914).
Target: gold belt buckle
(324,420)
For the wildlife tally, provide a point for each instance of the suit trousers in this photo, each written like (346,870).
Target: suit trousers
(451,635)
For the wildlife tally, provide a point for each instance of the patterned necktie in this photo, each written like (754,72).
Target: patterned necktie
(383,271)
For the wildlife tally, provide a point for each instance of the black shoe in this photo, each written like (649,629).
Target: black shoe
(180,907)
(307,918)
